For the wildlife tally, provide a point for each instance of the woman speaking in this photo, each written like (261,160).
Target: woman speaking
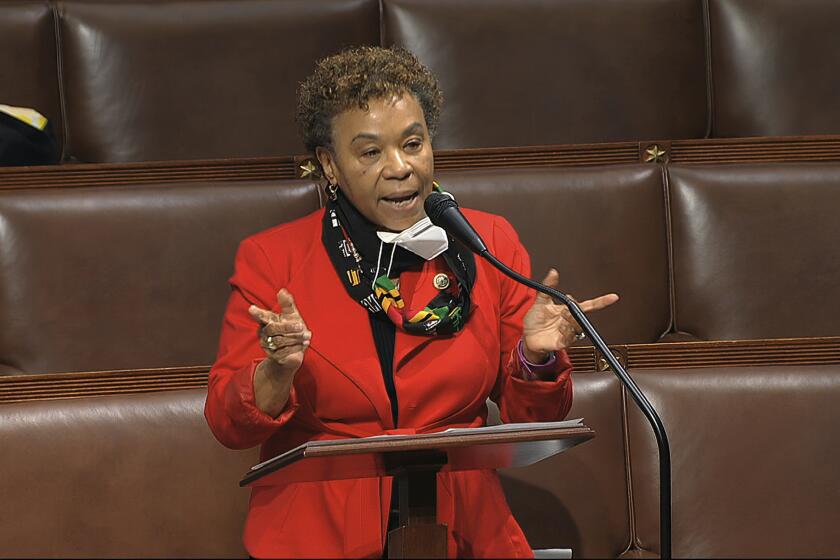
(350,322)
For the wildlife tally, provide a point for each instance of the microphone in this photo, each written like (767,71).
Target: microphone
(444,212)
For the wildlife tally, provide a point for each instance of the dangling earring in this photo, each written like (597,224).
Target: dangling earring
(332,191)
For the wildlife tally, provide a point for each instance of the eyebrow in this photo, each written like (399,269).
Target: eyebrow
(413,128)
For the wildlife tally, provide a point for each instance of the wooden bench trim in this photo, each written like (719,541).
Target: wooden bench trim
(703,151)
(664,355)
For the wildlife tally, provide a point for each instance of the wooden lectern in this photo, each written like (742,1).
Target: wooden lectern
(415,461)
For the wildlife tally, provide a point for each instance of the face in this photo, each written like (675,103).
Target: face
(382,160)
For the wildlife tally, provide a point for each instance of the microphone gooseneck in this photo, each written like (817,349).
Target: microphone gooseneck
(444,212)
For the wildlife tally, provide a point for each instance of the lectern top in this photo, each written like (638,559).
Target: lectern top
(489,447)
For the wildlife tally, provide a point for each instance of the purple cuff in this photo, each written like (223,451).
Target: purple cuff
(531,371)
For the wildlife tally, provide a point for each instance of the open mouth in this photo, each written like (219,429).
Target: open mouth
(402,200)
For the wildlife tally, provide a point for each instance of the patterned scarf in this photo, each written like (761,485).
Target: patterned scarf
(351,242)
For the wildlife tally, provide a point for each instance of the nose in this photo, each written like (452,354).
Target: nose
(396,166)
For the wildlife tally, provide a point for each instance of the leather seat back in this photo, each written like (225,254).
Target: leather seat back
(528,72)
(755,250)
(603,229)
(28,68)
(754,461)
(191,79)
(774,67)
(578,499)
(120,476)
(126,277)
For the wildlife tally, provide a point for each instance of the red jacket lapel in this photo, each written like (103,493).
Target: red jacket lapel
(340,327)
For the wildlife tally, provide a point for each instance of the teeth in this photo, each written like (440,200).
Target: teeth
(405,201)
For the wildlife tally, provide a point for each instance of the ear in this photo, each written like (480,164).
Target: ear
(327,161)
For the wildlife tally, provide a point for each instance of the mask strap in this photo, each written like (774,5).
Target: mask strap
(378,262)
(391,262)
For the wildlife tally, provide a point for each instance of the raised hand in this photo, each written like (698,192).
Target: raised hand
(284,335)
(550,327)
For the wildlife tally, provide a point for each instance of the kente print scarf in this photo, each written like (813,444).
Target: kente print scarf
(352,244)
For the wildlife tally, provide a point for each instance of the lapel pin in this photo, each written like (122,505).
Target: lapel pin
(441,281)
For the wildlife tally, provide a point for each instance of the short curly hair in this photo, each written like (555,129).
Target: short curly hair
(353,77)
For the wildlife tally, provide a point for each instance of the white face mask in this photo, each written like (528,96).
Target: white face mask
(423,239)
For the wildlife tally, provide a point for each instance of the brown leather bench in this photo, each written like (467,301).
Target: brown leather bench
(587,499)
(141,476)
(753,451)
(109,274)
(136,276)
(206,78)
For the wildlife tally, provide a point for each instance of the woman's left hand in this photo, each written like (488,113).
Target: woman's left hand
(550,327)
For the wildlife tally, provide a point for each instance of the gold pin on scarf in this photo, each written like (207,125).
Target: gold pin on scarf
(441,281)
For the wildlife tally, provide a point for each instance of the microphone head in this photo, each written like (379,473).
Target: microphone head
(436,204)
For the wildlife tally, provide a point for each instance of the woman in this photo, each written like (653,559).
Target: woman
(334,332)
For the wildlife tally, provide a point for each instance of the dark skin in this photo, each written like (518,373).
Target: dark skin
(382,160)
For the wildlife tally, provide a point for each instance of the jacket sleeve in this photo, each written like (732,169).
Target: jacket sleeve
(520,400)
(230,409)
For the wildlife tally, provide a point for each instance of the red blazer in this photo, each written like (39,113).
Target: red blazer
(339,393)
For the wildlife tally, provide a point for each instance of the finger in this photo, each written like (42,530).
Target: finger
(280,341)
(284,327)
(598,302)
(282,354)
(286,339)
(552,280)
(287,303)
(261,315)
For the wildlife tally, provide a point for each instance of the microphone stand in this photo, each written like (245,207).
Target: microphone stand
(629,384)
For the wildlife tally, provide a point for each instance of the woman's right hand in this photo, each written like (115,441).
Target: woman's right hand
(283,336)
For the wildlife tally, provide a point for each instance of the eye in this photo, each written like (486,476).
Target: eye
(414,145)
(371,153)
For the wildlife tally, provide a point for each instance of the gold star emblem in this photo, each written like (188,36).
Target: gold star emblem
(308,168)
(654,154)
